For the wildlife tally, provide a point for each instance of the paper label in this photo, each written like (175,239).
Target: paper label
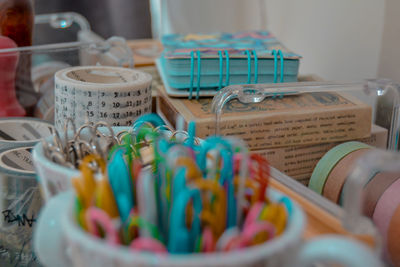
(298,160)
(303,119)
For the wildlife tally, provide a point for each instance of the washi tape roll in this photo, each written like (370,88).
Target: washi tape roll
(375,188)
(393,243)
(329,161)
(338,175)
(17,132)
(385,208)
(20,202)
(99,93)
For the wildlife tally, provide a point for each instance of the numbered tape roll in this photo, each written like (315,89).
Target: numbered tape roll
(99,93)
(17,132)
(20,203)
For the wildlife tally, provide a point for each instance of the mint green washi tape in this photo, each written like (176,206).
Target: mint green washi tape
(329,161)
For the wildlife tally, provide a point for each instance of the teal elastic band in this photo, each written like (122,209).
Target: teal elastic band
(274,53)
(198,74)
(191,73)
(248,66)
(221,64)
(227,67)
(255,66)
(282,59)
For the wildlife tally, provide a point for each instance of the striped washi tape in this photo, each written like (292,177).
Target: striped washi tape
(99,93)
(17,132)
(329,161)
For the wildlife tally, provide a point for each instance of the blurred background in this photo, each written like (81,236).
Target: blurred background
(339,40)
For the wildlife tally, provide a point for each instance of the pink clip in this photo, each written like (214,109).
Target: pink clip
(254,229)
(148,244)
(97,216)
(208,240)
(253,214)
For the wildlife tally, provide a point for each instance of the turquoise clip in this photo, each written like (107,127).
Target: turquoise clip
(161,198)
(221,64)
(255,66)
(210,143)
(226,180)
(191,74)
(282,59)
(181,239)
(227,68)
(179,182)
(121,183)
(274,53)
(198,74)
(191,134)
(248,66)
(151,118)
(288,204)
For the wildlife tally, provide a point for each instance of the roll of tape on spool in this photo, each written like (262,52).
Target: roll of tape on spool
(17,132)
(375,188)
(385,208)
(329,161)
(20,202)
(337,177)
(111,94)
(393,243)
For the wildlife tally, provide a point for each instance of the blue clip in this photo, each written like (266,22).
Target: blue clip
(288,204)
(210,143)
(227,67)
(274,53)
(226,179)
(282,59)
(179,182)
(255,66)
(181,239)
(248,66)
(191,134)
(198,74)
(121,183)
(191,74)
(221,64)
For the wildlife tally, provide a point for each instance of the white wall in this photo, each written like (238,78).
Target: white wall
(339,40)
(389,65)
(188,16)
(342,40)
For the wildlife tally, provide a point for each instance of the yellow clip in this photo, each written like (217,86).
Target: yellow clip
(214,205)
(105,198)
(85,185)
(193,171)
(276,214)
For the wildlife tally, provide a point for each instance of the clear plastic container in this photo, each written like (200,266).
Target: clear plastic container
(383,97)
(60,40)
(75,44)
